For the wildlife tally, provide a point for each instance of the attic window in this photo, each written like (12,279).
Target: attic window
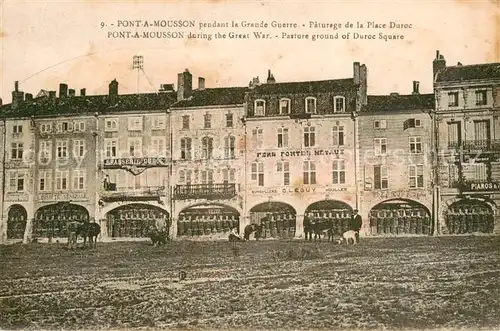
(260,108)
(339,104)
(380,124)
(310,105)
(284,106)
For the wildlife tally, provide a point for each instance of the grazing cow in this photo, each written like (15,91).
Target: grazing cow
(249,229)
(157,237)
(89,230)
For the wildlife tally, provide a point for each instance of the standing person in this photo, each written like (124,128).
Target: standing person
(72,233)
(356,223)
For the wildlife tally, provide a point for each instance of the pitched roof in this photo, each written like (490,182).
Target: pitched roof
(399,102)
(469,72)
(89,104)
(305,87)
(214,97)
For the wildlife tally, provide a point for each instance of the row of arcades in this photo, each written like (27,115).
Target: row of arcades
(392,217)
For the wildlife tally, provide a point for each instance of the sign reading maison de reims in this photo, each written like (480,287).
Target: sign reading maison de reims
(302,153)
(142,162)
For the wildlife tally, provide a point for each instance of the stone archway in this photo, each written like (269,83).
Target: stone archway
(400,217)
(134,220)
(278,218)
(331,210)
(469,216)
(50,220)
(16,222)
(207,219)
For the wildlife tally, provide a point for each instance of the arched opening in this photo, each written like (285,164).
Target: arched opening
(468,216)
(278,219)
(398,217)
(134,220)
(50,220)
(16,222)
(204,220)
(337,212)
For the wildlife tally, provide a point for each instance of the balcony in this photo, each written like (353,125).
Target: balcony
(474,146)
(113,193)
(205,191)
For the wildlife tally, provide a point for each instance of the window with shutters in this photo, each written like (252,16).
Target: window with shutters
(135,147)
(257,173)
(257,138)
(380,146)
(415,145)
(207,177)
(282,137)
(186,149)
(309,174)
(283,168)
(45,181)
(185,122)
(482,131)
(78,179)
(338,135)
(381,179)
(229,147)
(309,136)
(285,105)
(207,147)
(416,176)
(62,179)
(62,149)
(16,181)
(454,133)
(17,151)
(338,174)
(310,105)
(111,147)
(158,146)
(339,104)
(229,120)
(260,108)
(228,176)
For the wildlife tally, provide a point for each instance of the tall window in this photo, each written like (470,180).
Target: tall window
(186,149)
(309,136)
(158,145)
(185,122)
(111,147)
(260,108)
(310,105)
(45,180)
(482,131)
(258,173)
(454,134)
(185,176)
(17,129)
(453,99)
(135,146)
(229,120)
(285,106)
(45,151)
(283,168)
(135,124)
(338,135)
(207,145)
(416,176)
(480,171)
(309,172)
(282,137)
(481,98)
(17,151)
(257,138)
(380,145)
(207,121)
(80,126)
(111,125)
(207,177)
(338,175)
(229,148)
(16,181)
(339,104)
(415,145)
(381,178)
(78,148)
(228,175)
(62,178)
(62,149)
(78,179)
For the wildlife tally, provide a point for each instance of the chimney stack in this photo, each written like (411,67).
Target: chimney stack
(416,87)
(71,92)
(29,97)
(1,102)
(17,96)
(270,77)
(438,65)
(184,85)
(52,94)
(82,92)
(63,90)
(16,86)
(201,83)
(356,69)
(363,84)
(113,92)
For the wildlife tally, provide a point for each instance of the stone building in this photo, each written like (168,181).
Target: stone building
(467,130)
(208,141)
(396,162)
(300,151)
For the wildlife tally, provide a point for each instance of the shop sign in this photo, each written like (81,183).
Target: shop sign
(301,153)
(16,197)
(49,197)
(402,194)
(485,186)
(300,189)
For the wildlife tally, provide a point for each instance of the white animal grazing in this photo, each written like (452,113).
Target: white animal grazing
(348,235)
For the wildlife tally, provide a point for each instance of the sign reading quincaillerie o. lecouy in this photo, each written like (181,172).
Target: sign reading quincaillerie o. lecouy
(142,162)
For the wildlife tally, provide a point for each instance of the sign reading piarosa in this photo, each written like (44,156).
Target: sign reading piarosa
(491,186)
(135,165)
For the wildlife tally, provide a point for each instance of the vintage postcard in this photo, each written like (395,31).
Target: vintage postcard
(249,165)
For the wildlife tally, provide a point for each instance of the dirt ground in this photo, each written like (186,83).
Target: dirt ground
(395,283)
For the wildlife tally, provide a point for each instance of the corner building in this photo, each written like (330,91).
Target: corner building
(300,151)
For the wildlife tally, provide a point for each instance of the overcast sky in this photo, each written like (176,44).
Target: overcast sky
(44,44)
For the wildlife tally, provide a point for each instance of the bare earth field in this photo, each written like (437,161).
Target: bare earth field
(395,283)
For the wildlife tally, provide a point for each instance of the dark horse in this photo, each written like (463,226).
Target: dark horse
(249,229)
(318,228)
(90,231)
(157,237)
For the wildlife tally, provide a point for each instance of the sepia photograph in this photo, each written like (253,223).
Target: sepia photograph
(249,165)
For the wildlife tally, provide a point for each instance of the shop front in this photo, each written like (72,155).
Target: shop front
(278,219)
(207,219)
(50,221)
(135,220)
(467,216)
(333,212)
(16,222)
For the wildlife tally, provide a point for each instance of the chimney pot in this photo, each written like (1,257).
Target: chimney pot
(29,97)
(82,92)
(201,83)
(71,92)
(63,90)
(16,85)
(52,94)
(184,85)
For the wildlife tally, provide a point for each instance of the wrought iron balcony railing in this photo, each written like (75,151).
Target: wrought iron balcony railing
(205,191)
(112,192)
(476,145)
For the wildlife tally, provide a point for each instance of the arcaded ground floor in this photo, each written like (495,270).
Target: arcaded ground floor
(392,283)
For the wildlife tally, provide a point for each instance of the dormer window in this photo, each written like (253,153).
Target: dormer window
(260,108)
(310,105)
(338,104)
(285,106)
